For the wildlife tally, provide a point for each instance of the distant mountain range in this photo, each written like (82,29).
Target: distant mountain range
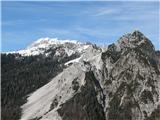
(67,80)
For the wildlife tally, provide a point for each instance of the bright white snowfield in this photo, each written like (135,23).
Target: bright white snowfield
(43,44)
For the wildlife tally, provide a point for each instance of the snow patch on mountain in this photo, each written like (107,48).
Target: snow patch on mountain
(73,61)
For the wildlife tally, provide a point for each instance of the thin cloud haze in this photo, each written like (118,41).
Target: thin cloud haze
(97,22)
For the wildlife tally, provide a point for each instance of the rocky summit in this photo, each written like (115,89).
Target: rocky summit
(69,80)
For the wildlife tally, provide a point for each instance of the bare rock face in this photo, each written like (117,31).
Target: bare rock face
(132,82)
(120,83)
(84,105)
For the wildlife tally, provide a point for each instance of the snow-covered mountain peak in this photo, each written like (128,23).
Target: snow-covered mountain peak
(42,45)
(45,42)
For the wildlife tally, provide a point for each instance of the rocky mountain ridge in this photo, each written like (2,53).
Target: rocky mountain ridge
(120,83)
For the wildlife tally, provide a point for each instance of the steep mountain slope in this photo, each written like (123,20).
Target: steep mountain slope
(22,74)
(120,83)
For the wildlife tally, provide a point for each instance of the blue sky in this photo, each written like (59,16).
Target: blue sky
(97,22)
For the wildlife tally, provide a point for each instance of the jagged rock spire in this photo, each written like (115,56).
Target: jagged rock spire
(134,40)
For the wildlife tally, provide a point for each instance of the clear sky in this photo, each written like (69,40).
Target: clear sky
(96,22)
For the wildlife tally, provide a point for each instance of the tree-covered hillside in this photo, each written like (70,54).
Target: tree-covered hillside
(23,75)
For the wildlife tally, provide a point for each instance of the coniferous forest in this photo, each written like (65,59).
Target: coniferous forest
(23,75)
